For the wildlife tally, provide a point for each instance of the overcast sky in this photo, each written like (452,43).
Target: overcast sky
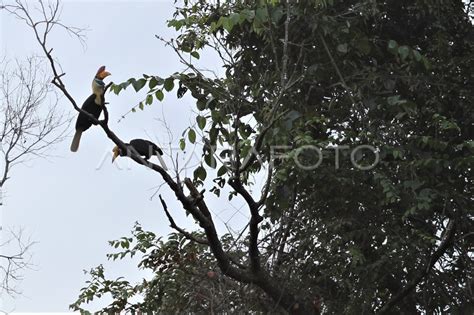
(73,203)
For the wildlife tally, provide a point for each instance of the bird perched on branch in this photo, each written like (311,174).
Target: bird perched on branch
(144,148)
(93,105)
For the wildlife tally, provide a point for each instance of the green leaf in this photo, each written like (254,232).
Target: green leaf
(140,105)
(116,88)
(222,170)
(149,99)
(124,85)
(290,118)
(177,24)
(394,100)
(192,136)
(261,14)
(139,84)
(213,27)
(216,116)
(182,144)
(210,160)
(227,24)
(363,45)
(245,131)
(213,133)
(159,95)
(200,173)
(153,82)
(235,18)
(220,22)
(403,51)
(211,102)
(247,14)
(392,45)
(397,154)
(169,84)
(182,89)
(159,80)
(201,121)
(277,14)
(195,54)
(417,55)
(342,48)
(201,104)
(426,63)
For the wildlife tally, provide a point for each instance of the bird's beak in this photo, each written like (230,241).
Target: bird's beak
(116,153)
(104,74)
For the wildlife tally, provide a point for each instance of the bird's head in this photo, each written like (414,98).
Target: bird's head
(98,85)
(101,73)
(116,153)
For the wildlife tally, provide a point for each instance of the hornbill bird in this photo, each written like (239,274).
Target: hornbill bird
(93,105)
(144,148)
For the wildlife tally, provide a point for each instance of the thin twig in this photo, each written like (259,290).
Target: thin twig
(336,68)
(177,228)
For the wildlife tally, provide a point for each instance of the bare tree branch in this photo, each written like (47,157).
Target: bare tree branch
(13,265)
(28,125)
(177,228)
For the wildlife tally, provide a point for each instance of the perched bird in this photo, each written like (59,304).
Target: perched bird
(143,147)
(93,105)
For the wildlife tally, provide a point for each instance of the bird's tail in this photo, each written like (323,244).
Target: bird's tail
(76,140)
(162,161)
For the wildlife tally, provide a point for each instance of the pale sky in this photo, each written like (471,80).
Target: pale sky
(72,204)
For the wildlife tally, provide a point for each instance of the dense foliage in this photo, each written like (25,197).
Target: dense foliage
(395,75)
